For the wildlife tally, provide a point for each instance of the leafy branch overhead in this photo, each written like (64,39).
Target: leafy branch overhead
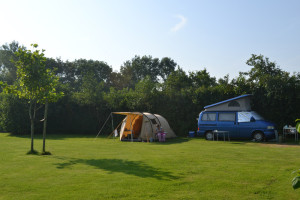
(34,80)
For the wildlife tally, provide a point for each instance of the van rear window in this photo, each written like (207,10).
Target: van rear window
(209,117)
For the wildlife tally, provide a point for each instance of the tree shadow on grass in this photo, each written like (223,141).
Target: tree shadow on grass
(124,166)
(39,136)
(170,141)
(57,136)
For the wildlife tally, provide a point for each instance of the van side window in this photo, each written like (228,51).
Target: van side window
(209,117)
(244,116)
(227,117)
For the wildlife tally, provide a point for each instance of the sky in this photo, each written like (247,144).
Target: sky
(219,35)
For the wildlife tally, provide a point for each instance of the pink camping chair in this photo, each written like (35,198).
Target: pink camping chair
(159,135)
(163,136)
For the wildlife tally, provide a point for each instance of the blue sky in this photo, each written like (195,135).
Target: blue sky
(217,35)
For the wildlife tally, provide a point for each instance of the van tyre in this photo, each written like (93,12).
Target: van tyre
(209,136)
(258,136)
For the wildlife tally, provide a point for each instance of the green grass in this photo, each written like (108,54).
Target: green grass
(84,168)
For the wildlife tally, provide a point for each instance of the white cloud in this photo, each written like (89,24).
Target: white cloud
(180,24)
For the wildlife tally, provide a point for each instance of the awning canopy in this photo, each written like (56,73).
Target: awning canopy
(127,113)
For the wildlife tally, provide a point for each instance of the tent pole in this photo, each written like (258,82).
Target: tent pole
(115,129)
(103,126)
(131,130)
(132,127)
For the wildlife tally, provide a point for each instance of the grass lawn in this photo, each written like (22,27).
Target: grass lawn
(84,168)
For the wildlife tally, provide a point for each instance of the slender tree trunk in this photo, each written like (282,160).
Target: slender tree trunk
(32,133)
(32,117)
(45,126)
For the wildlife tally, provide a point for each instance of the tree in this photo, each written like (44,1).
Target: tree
(177,81)
(34,82)
(273,89)
(262,69)
(202,78)
(144,95)
(140,67)
(166,67)
(7,67)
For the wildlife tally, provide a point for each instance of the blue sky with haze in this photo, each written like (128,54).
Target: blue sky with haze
(217,35)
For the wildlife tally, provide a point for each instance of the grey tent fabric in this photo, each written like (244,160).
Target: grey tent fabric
(142,126)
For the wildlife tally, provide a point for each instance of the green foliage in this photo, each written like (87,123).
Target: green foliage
(116,99)
(35,83)
(7,67)
(14,114)
(177,80)
(202,79)
(298,125)
(32,80)
(296,179)
(273,90)
(144,95)
(140,67)
(91,90)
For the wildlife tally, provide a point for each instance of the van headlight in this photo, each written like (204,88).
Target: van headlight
(270,127)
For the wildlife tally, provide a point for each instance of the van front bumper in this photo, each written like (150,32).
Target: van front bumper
(270,134)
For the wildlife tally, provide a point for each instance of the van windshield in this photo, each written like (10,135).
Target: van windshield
(256,116)
(246,116)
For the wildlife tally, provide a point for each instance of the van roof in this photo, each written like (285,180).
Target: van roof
(228,100)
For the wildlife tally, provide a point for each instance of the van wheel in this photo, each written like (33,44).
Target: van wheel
(209,136)
(258,136)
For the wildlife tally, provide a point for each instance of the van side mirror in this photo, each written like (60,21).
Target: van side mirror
(252,119)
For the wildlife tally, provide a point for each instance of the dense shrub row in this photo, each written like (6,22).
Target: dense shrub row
(92,90)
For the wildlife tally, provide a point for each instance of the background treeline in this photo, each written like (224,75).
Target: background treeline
(92,90)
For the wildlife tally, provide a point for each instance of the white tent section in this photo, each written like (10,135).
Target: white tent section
(142,126)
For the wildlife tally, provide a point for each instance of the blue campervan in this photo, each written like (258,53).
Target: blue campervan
(236,118)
